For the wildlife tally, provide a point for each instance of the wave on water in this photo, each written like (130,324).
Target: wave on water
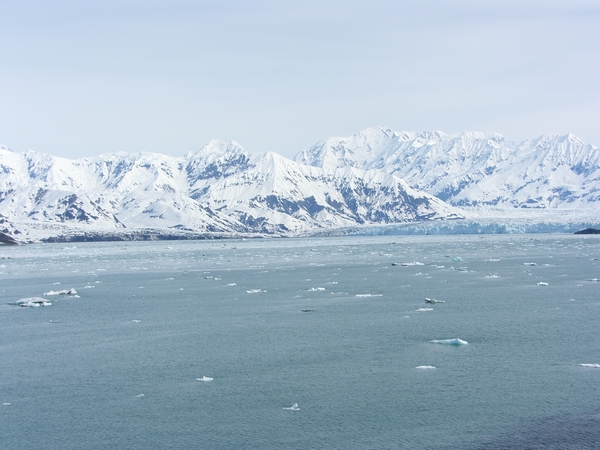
(449,341)
(425,367)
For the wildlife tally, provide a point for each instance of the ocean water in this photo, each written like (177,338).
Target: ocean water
(337,325)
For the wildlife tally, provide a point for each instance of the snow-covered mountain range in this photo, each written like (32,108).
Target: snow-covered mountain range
(375,177)
(473,168)
(220,189)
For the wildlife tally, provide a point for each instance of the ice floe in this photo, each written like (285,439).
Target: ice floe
(316,289)
(530,264)
(425,367)
(455,341)
(255,291)
(433,300)
(423,309)
(204,378)
(33,302)
(369,295)
(62,292)
(294,407)
(595,366)
(542,283)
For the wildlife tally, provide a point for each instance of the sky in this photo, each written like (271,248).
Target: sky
(83,78)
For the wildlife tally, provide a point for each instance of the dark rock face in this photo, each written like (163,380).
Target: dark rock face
(588,231)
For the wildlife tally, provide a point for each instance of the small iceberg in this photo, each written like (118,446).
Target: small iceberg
(530,264)
(294,407)
(449,341)
(369,295)
(423,309)
(433,300)
(255,291)
(595,366)
(32,302)
(63,292)
(425,367)
(204,378)
(409,264)
(542,283)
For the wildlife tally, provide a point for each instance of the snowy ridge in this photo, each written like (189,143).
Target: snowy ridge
(218,189)
(474,168)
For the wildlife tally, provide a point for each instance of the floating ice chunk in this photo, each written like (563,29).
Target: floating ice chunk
(455,341)
(141,395)
(492,276)
(542,283)
(255,291)
(530,264)
(89,286)
(433,300)
(457,258)
(33,302)
(425,367)
(316,289)
(332,282)
(423,309)
(294,407)
(408,264)
(58,282)
(369,295)
(6,404)
(63,292)
(231,284)
(595,366)
(204,378)
(136,321)
(494,259)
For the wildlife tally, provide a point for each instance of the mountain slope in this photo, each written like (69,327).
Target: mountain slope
(471,168)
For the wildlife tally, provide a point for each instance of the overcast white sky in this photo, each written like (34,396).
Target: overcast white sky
(81,78)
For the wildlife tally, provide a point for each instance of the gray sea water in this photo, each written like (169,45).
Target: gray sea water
(336,325)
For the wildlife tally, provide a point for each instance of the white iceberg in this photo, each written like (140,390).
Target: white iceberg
(433,300)
(33,302)
(455,341)
(255,291)
(62,292)
(294,407)
(204,378)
